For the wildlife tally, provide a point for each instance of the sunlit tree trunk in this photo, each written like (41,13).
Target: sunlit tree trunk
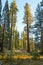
(28,45)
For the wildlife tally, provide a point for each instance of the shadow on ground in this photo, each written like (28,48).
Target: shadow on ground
(21,62)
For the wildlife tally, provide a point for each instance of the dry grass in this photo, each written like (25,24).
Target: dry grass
(18,57)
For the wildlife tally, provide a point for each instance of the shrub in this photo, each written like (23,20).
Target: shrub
(35,55)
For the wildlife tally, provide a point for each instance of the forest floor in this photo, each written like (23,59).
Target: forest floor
(15,56)
(18,55)
(21,62)
(19,59)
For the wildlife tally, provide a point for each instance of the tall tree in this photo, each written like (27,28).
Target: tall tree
(28,20)
(6,24)
(37,27)
(39,21)
(13,15)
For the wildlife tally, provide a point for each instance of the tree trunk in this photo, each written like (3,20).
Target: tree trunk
(10,47)
(28,45)
(2,38)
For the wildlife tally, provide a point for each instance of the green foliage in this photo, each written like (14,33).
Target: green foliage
(35,55)
(6,16)
(39,25)
(16,39)
(32,46)
(13,12)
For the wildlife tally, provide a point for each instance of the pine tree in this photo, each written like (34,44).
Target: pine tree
(6,24)
(37,26)
(6,16)
(28,20)
(13,15)
(39,22)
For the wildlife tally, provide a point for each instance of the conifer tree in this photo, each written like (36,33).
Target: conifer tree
(6,16)
(27,20)
(13,19)
(6,25)
(39,22)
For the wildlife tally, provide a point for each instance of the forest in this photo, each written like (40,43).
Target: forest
(24,46)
